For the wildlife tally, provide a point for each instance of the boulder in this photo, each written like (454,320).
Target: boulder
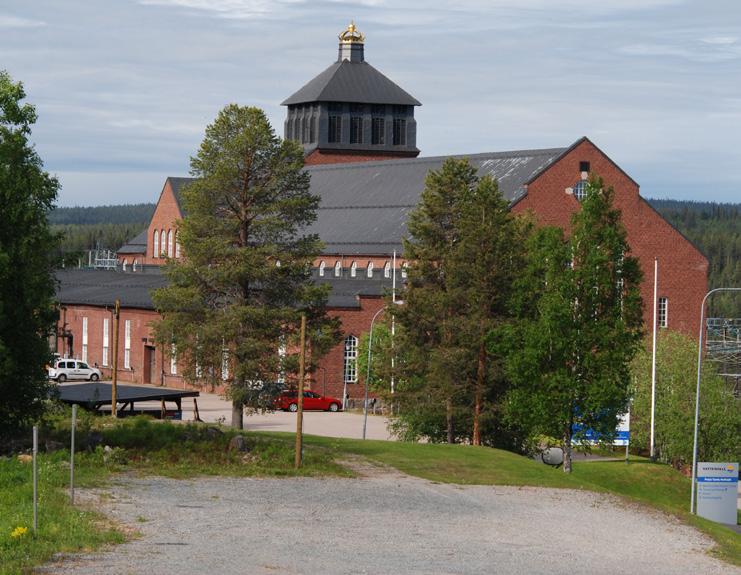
(237,443)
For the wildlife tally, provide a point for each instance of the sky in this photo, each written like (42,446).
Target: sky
(125,88)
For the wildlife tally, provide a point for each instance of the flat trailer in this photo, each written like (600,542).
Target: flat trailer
(97,395)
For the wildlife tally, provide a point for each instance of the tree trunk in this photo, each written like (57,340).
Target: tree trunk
(237,415)
(481,371)
(449,419)
(567,450)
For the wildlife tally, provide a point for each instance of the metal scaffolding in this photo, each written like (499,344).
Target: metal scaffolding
(724,349)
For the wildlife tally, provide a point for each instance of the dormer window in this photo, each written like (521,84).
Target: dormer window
(322,265)
(387,270)
(354,269)
(337,269)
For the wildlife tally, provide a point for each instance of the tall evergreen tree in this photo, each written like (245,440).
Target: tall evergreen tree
(465,250)
(580,326)
(231,308)
(27,193)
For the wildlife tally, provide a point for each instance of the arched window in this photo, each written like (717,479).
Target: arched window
(370,269)
(156,244)
(337,269)
(353,269)
(404,270)
(135,265)
(387,270)
(322,265)
(170,244)
(177,245)
(350,368)
(163,244)
(124,264)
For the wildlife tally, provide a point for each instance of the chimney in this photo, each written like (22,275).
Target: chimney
(351,45)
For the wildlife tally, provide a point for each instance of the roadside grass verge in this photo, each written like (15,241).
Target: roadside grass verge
(656,485)
(138,445)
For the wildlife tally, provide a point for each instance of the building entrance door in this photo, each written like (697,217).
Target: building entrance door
(149,363)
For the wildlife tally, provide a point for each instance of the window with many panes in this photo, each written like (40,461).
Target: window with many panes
(580,190)
(106,331)
(663,312)
(127,344)
(356,130)
(350,369)
(84,339)
(335,129)
(400,132)
(173,360)
(378,131)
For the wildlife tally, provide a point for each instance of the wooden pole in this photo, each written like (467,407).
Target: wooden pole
(114,378)
(300,398)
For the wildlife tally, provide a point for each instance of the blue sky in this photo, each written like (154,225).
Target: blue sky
(125,88)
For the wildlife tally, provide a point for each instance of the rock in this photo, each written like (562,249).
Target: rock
(237,443)
(552,456)
(53,445)
(213,432)
(25,458)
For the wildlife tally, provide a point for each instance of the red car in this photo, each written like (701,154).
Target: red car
(288,401)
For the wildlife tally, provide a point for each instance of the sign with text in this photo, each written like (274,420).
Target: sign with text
(717,491)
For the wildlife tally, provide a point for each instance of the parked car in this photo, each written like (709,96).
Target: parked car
(69,369)
(288,401)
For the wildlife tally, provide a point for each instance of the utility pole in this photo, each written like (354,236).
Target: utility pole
(300,396)
(114,377)
(652,450)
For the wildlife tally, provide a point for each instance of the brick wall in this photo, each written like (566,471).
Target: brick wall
(682,268)
(346,156)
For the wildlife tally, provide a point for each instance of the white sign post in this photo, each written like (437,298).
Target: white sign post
(717,491)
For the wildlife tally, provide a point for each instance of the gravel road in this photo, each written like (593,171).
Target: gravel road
(384,523)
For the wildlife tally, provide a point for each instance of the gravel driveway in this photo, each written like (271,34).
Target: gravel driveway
(385,523)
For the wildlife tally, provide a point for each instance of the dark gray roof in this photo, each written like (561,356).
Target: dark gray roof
(364,206)
(97,394)
(138,245)
(177,185)
(355,82)
(102,287)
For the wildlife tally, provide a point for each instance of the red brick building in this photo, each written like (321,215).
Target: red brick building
(359,135)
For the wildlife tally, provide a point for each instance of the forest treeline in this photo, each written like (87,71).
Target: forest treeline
(714,228)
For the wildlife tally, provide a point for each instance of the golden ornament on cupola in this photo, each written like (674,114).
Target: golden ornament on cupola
(351,35)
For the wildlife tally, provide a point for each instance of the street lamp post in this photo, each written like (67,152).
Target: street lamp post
(697,396)
(368,370)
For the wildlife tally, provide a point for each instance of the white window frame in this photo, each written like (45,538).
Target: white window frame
(127,344)
(170,244)
(124,263)
(163,243)
(337,268)
(404,270)
(369,271)
(322,265)
(387,270)
(354,269)
(663,313)
(156,244)
(173,360)
(350,360)
(106,336)
(84,339)
(177,245)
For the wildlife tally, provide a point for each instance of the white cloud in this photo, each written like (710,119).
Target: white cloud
(16,22)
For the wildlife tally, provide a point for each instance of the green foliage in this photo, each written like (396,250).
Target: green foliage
(238,293)
(465,251)
(77,239)
(579,310)
(27,312)
(716,230)
(676,381)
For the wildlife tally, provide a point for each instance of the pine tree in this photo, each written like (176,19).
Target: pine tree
(580,326)
(231,308)
(27,193)
(465,250)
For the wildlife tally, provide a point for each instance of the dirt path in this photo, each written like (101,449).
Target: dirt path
(384,522)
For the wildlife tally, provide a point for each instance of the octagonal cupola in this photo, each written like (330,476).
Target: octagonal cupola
(352,109)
